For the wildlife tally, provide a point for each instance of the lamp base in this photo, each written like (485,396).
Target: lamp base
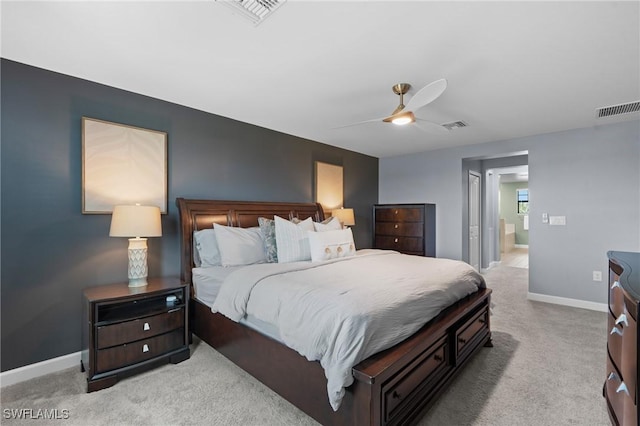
(137,262)
(138,282)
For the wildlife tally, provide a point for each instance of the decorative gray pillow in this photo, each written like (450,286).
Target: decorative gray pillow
(268,229)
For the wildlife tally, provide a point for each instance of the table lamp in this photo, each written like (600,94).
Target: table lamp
(345,216)
(136,222)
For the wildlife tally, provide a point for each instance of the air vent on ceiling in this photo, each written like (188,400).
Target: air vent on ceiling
(454,125)
(255,11)
(618,109)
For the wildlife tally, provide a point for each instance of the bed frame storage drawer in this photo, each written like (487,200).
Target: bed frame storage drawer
(475,328)
(135,352)
(129,331)
(401,393)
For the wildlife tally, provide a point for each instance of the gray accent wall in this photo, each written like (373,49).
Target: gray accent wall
(51,251)
(591,176)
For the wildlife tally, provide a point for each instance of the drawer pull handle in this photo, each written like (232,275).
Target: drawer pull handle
(482,321)
(145,348)
(622,319)
(146,327)
(616,330)
(396,395)
(462,340)
(437,357)
(395,240)
(623,388)
(395,226)
(615,284)
(396,212)
(613,376)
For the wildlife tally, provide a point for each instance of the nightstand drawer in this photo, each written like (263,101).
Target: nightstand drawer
(399,228)
(141,350)
(129,331)
(400,214)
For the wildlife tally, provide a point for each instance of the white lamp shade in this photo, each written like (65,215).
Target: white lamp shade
(345,216)
(135,221)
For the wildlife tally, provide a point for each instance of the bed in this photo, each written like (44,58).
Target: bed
(394,386)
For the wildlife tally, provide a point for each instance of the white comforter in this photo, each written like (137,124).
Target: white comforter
(342,311)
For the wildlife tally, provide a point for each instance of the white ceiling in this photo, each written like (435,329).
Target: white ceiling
(514,68)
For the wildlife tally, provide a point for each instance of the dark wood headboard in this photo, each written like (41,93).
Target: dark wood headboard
(200,214)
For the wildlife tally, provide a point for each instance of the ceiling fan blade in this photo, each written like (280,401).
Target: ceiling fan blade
(430,126)
(426,95)
(361,122)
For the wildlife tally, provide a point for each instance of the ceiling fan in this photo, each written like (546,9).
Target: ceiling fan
(404,114)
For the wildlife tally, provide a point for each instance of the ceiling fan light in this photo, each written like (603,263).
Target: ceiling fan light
(403,119)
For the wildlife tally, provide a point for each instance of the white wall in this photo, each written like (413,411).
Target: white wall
(592,176)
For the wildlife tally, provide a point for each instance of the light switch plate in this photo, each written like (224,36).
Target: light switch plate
(545,218)
(557,220)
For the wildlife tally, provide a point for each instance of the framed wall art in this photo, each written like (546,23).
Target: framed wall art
(122,164)
(329,186)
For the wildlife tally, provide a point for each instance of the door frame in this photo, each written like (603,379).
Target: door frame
(479,216)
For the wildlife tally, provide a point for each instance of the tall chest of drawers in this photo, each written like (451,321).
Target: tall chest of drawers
(621,385)
(407,228)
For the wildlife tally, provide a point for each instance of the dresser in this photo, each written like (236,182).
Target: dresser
(621,385)
(407,228)
(127,330)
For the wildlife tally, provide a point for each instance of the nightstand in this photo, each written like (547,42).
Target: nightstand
(129,330)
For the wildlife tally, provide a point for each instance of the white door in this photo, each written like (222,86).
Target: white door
(474,220)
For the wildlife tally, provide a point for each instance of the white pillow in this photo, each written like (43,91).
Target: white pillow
(206,248)
(331,245)
(240,246)
(291,239)
(331,224)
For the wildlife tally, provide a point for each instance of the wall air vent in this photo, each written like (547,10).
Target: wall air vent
(455,125)
(255,11)
(618,109)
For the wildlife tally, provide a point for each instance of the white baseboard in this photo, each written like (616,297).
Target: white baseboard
(521,246)
(575,303)
(38,369)
(491,265)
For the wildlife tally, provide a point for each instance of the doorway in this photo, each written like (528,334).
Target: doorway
(480,203)
(513,200)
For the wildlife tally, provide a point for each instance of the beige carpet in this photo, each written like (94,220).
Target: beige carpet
(547,367)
